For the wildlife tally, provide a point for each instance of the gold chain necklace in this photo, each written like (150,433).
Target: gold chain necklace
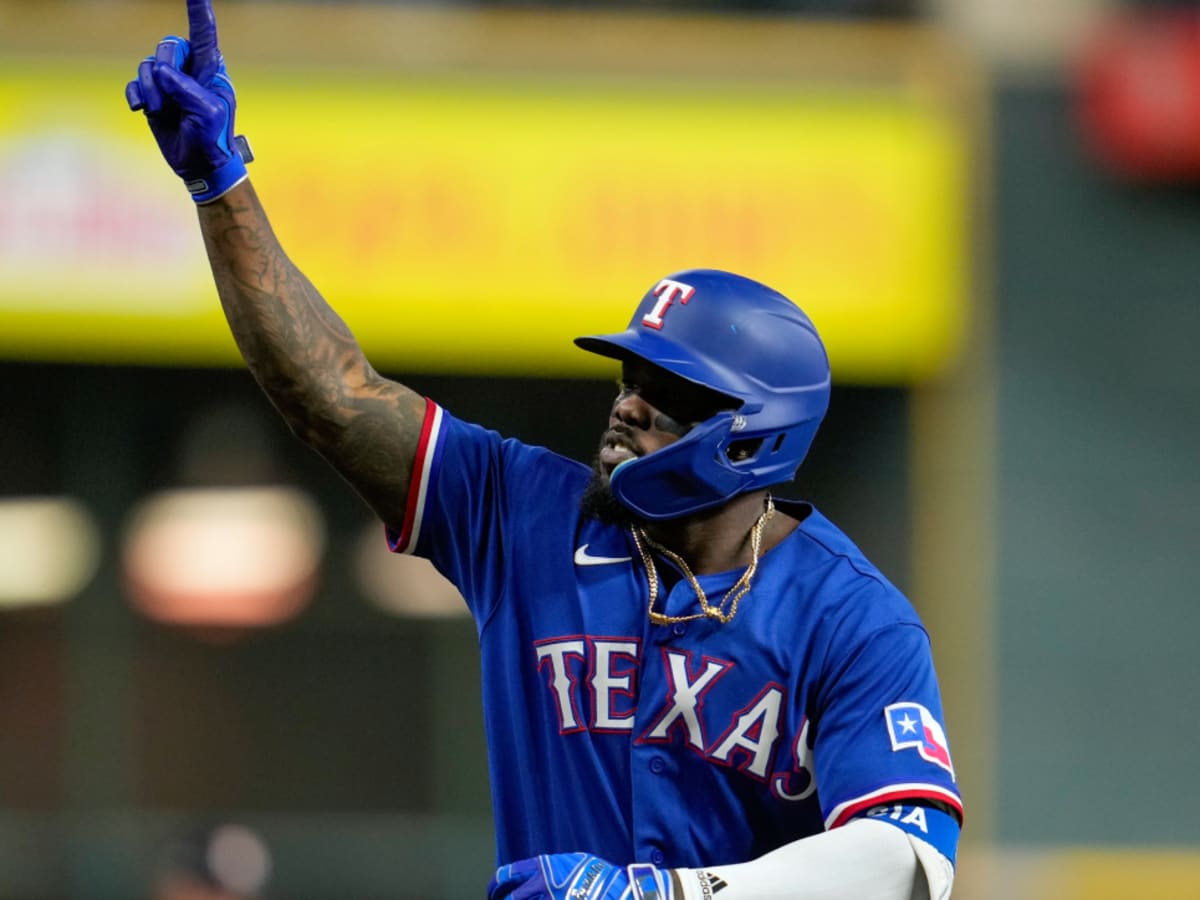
(732,597)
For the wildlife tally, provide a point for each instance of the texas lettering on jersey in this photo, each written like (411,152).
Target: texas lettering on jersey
(607,669)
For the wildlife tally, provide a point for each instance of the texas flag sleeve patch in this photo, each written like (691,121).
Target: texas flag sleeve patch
(912,727)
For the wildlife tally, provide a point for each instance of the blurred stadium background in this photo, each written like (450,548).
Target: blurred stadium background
(211,671)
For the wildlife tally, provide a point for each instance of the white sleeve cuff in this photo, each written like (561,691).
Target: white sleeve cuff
(862,860)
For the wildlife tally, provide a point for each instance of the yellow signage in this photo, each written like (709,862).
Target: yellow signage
(477,224)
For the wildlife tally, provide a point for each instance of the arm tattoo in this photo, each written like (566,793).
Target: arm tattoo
(306,359)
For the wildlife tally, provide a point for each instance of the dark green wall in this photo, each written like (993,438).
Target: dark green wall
(1098,312)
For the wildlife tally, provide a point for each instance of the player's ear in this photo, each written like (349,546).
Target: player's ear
(740,451)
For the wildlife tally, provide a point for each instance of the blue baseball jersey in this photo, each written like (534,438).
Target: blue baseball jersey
(688,744)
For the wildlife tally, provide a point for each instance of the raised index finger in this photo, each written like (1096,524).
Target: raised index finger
(202,34)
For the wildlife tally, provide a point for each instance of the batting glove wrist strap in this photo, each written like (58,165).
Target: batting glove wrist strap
(206,188)
(649,883)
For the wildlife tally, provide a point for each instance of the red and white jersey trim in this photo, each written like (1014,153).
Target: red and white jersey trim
(418,487)
(844,812)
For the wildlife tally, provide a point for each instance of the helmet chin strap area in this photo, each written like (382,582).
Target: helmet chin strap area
(684,477)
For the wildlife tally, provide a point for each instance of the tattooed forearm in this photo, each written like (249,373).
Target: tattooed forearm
(305,357)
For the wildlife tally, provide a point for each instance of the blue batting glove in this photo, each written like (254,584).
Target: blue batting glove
(189,103)
(578,876)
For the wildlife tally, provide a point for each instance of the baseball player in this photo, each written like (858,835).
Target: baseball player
(691,689)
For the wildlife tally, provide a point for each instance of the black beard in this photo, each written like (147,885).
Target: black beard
(599,503)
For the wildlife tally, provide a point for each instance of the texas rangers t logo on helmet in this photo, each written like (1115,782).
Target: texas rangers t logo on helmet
(912,725)
(667,291)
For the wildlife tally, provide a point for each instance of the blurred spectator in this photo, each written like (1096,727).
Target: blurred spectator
(226,862)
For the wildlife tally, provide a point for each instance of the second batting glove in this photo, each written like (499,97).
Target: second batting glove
(578,876)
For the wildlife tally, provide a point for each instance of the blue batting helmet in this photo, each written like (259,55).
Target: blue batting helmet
(741,339)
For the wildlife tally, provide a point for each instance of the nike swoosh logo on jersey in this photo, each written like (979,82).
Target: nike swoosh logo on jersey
(583,558)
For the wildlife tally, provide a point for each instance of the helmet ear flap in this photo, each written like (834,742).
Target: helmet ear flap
(681,478)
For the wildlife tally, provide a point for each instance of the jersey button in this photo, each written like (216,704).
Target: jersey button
(657,765)
(658,858)
(679,629)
